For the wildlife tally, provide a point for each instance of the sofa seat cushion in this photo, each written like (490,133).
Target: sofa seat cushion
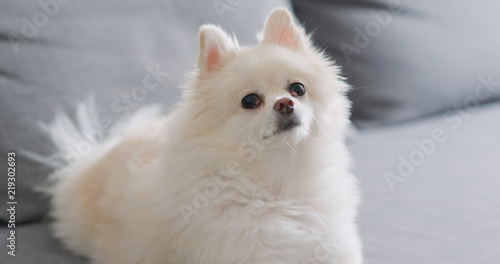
(430,189)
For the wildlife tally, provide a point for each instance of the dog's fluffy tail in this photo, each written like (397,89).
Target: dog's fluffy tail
(85,139)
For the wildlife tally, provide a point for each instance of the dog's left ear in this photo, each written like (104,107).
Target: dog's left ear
(280,29)
(216,46)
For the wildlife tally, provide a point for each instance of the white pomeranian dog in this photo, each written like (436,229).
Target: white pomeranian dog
(251,166)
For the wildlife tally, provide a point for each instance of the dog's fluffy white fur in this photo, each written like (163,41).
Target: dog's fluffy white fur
(215,182)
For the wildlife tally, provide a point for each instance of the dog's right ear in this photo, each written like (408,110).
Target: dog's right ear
(216,46)
(280,29)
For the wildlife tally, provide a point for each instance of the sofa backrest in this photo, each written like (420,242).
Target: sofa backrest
(408,59)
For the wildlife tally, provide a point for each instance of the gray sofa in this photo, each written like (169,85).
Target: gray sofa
(426,105)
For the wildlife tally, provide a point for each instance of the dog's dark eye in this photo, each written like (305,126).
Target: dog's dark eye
(297,89)
(251,101)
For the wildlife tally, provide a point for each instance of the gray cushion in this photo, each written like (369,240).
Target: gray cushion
(35,244)
(424,58)
(55,55)
(447,210)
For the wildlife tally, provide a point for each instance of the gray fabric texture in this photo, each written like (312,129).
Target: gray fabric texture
(408,59)
(445,212)
(54,54)
(35,244)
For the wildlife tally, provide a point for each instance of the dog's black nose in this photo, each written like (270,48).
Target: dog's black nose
(284,106)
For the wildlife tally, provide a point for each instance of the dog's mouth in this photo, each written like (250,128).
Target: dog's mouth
(285,124)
